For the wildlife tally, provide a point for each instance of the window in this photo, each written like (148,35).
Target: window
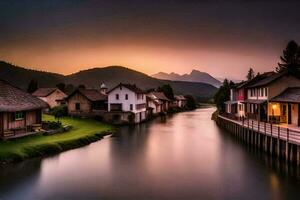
(19,115)
(126,96)
(77,106)
(266,92)
(117,96)
(131,107)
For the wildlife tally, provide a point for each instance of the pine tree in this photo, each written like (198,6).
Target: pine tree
(250,74)
(32,86)
(290,60)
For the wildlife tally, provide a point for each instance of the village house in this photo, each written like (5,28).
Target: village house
(126,104)
(180,101)
(284,108)
(165,101)
(52,96)
(154,105)
(239,96)
(20,112)
(86,103)
(269,97)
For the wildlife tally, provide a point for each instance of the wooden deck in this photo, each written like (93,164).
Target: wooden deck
(284,132)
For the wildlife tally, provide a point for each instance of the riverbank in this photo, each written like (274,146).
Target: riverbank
(83,132)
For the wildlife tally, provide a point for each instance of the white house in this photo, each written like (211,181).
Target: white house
(153,103)
(180,101)
(126,103)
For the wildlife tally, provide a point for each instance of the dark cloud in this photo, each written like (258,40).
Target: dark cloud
(237,26)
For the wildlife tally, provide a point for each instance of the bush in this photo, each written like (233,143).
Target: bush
(59,111)
(191,103)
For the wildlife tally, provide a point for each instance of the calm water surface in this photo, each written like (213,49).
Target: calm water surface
(185,156)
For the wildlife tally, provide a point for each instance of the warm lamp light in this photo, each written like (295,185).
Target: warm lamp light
(274,106)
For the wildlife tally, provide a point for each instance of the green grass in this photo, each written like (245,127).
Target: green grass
(83,132)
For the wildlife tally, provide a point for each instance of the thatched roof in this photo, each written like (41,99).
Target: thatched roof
(13,99)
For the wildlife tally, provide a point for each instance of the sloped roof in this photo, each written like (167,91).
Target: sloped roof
(13,99)
(160,96)
(255,80)
(179,97)
(291,95)
(43,92)
(90,94)
(268,79)
(131,87)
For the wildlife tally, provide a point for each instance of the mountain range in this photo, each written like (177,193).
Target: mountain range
(194,76)
(111,76)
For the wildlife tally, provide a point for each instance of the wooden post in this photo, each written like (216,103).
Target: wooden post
(298,155)
(278,143)
(271,140)
(252,134)
(287,144)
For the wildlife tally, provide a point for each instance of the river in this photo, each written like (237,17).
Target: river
(184,156)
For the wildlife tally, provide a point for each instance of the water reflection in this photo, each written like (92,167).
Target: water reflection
(185,156)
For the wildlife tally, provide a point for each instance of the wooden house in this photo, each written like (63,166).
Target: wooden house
(20,112)
(53,96)
(86,103)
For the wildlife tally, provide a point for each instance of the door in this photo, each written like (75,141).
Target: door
(289,114)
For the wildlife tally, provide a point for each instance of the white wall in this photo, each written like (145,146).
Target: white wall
(132,99)
(257,93)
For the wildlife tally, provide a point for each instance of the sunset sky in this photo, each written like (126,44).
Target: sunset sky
(221,38)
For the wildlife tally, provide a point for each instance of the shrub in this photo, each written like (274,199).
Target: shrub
(59,111)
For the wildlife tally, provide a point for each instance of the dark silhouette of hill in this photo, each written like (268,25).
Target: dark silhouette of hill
(194,76)
(111,76)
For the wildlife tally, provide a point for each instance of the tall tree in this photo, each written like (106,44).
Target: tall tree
(222,95)
(290,60)
(250,74)
(61,86)
(32,86)
(167,90)
(191,102)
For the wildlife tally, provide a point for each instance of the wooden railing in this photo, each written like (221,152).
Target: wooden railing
(291,135)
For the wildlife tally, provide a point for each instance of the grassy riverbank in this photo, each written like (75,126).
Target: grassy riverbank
(83,132)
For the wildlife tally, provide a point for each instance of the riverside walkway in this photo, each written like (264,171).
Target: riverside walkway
(277,139)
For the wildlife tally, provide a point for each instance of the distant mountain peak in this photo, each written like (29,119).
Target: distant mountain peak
(193,76)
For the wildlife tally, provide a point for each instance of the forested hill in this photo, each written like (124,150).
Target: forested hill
(111,76)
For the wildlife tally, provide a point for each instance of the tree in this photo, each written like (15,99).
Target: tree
(59,112)
(290,60)
(81,86)
(167,90)
(191,103)
(250,74)
(223,95)
(61,86)
(32,86)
